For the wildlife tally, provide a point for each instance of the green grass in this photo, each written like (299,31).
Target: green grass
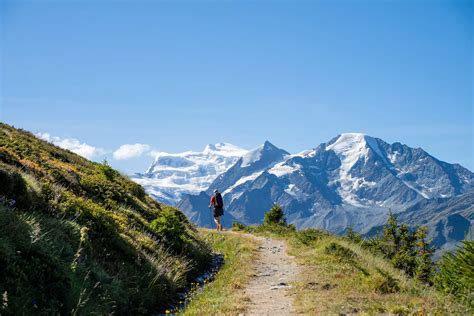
(338,276)
(80,238)
(225,294)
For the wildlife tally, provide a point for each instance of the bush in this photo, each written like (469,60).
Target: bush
(352,236)
(307,236)
(341,252)
(238,226)
(13,187)
(107,170)
(170,228)
(386,284)
(275,216)
(103,189)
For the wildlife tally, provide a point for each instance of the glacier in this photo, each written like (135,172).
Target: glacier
(171,175)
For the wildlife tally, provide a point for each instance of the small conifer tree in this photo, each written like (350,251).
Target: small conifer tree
(456,272)
(425,265)
(275,216)
(391,236)
(405,256)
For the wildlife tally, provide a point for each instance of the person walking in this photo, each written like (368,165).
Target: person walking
(218,204)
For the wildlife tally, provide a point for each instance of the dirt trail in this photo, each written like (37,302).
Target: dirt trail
(268,289)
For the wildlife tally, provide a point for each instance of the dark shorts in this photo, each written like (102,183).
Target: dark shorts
(218,211)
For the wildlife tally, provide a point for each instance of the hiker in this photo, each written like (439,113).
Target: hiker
(218,204)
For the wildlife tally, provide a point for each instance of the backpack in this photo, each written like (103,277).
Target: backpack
(219,202)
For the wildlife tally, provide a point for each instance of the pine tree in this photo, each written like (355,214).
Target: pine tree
(456,273)
(425,265)
(275,216)
(391,236)
(405,256)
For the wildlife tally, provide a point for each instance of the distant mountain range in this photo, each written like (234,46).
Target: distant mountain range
(351,181)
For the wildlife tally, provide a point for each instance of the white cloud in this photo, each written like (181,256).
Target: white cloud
(128,151)
(73,145)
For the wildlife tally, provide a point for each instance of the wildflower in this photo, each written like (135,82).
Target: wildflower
(167,312)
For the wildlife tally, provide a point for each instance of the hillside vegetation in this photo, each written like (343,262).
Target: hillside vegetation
(77,237)
(226,295)
(389,274)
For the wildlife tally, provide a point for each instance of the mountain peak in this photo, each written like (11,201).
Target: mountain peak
(267,144)
(352,138)
(348,143)
(353,143)
(224,149)
(353,134)
(210,147)
(266,151)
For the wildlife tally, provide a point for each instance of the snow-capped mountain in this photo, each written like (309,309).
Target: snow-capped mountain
(171,175)
(351,181)
(248,167)
(233,181)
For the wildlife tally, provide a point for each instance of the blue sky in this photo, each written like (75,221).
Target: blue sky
(176,75)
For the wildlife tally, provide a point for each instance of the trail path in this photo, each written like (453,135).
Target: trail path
(269,288)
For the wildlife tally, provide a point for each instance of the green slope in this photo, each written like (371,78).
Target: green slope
(78,237)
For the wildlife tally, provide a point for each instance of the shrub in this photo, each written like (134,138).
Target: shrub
(352,236)
(275,216)
(238,226)
(307,236)
(107,170)
(136,189)
(456,273)
(170,228)
(386,284)
(13,187)
(343,253)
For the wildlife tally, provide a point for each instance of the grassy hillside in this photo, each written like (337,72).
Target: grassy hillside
(345,278)
(341,277)
(78,237)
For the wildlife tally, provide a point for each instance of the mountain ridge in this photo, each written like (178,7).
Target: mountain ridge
(351,181)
